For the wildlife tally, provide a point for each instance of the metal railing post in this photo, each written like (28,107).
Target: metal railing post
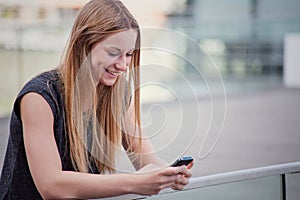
(283,186)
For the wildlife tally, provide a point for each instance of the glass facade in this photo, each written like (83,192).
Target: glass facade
(252,31)
(243,38)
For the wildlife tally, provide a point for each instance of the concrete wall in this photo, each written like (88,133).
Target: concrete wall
(291,66)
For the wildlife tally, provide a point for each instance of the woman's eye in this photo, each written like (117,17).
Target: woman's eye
(118,54)
(113,54)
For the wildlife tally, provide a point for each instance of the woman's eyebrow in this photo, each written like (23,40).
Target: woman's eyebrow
(119,50)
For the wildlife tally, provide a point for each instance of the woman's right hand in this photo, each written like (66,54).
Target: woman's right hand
(153,182)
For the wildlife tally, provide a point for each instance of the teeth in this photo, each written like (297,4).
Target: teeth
(112,73)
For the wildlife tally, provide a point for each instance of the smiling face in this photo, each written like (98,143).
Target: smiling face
(112,56)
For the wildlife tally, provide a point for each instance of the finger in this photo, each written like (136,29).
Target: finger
(187,173)
(179,178)
(172,170)
(190,165)
(167,185)
(177,187)
(182,180)
(167,179)
(181,185)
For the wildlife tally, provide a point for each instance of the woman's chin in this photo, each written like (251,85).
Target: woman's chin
(108,82)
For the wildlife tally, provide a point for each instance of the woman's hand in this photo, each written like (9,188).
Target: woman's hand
(183,178)
(153,182)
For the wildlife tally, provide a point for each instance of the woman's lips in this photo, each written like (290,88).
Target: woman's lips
(112,73)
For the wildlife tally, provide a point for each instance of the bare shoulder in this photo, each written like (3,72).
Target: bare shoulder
(35,107)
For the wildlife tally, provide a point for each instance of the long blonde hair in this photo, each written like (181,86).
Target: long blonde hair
(95,133)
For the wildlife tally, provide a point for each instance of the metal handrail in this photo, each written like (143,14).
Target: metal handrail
(246,174)
(235,176)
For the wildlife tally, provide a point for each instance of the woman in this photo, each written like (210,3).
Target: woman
(68,123)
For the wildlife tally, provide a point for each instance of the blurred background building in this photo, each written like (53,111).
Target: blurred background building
(244,37)
(216,66)
(248,34)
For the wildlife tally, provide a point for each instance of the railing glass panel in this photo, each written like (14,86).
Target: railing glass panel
(267,188)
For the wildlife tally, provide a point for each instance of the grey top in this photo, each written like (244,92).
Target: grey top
(16,181)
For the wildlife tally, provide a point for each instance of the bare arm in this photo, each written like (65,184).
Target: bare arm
(54,183)
(146,159)
(146,154)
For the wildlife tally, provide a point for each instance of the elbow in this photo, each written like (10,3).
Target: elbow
(54,189)
(47,191)
(50,191)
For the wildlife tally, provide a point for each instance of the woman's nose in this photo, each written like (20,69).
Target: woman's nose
(122,62)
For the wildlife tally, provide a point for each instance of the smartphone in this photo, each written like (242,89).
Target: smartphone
(185,160)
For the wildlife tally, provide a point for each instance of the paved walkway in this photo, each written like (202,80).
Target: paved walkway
(260,129)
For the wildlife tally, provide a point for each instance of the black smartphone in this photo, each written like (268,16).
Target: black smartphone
(185,160)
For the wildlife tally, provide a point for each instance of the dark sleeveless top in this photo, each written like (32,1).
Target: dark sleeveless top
(16,181)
